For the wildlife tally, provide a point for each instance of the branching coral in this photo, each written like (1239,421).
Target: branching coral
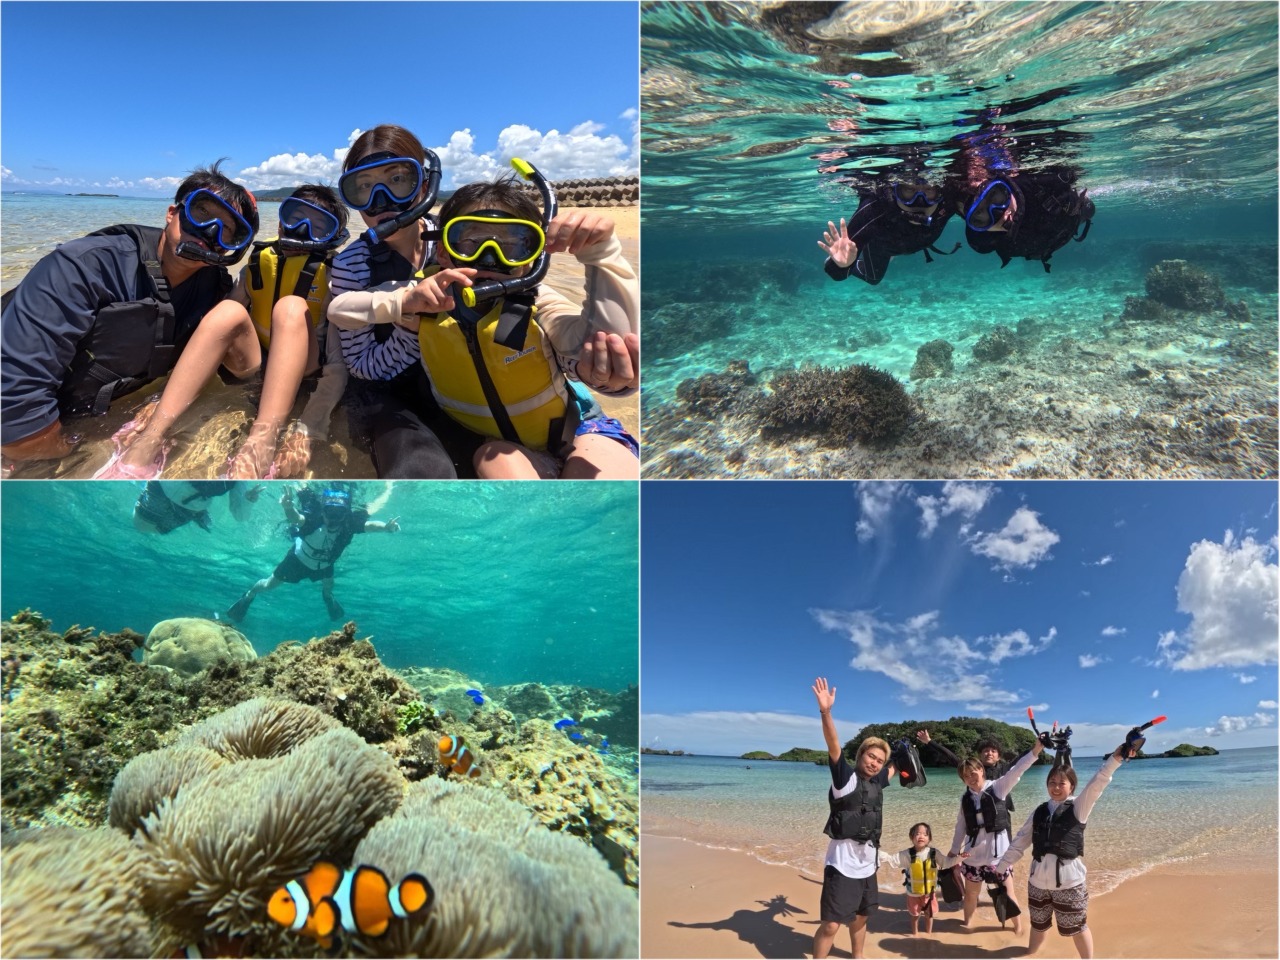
(72,893)
(545,895)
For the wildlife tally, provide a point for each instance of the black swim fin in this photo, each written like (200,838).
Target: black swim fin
(334,607)
(910,770)
(236,612)
(1006,908)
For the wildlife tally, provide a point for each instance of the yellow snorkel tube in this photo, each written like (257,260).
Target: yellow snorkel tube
(491,289)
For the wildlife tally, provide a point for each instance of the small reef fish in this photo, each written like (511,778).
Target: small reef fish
(576,736)
(455,756)
(360,900)
(561,724)
(477,696)
(604,746)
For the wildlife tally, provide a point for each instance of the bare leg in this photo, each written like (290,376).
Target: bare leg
(503,460)
(1017,921)
(330,601)
(594,456)
(824,938)
(858,936)
(971,890)
(1036,941)
(915,925)
(224,336)
(1084,943)
(293,351)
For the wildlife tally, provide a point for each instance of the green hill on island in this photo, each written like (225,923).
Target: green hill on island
(959,734)
(1181,750)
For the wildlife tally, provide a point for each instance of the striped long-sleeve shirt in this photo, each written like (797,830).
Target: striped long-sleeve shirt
(370,352)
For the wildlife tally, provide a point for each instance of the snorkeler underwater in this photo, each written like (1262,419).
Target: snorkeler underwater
(938,241)
(369,758)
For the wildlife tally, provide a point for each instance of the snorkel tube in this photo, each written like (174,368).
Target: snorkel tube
(1134,739)
(491,289)
(1055,740)
(378,234)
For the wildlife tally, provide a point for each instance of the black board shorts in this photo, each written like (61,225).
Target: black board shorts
(292,570)
(845,898)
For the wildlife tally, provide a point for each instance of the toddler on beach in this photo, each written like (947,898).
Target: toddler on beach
(920,865)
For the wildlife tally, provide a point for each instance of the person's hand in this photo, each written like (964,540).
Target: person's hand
(826,696)
(433,295)
(962,856)
(839,247)
(49,443)
(1125,752)
(610,362)
(252,494)
(393,525)
(571,232)
(286,498)
(1037,748)
(923,736)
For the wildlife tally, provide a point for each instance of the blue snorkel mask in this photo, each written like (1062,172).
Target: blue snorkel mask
(989,207)
(310,228)
(385,182)
(219,230)
(918,200)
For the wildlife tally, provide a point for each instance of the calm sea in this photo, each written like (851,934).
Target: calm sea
(1154,812)
(761,123)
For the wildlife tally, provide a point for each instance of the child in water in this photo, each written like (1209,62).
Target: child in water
(920,864)
(1055,834)
(502,367)
(278,302)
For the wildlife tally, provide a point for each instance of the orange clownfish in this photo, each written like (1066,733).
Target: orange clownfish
(455,755)
(361,900)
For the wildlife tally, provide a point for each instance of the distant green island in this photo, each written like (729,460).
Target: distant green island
(93,195)
(665,753)
(960,735)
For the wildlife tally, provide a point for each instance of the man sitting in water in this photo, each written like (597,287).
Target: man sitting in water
(321,530)
(108,313)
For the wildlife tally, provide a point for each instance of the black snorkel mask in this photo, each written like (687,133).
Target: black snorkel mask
(221,232)
(492,289)
(1055,740)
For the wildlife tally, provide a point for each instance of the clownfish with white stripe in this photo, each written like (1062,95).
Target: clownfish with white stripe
(360,900)
(456,757)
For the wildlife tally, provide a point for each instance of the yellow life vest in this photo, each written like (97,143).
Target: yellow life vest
(512,392)
(303,275)
(922,878)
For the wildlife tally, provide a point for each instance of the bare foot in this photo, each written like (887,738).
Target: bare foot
(253,460)
(293,455)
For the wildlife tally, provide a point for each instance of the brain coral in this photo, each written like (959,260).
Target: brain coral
(545,894)
(188,645)
(72,893)
(216,850)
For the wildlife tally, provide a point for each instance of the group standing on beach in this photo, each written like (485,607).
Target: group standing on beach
(451,355)
(982,847)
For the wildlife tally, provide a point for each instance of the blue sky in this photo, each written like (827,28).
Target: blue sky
(1101,605)
(129,97)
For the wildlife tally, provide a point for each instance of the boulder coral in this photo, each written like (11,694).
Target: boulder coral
(544,895)
(72,893)
(188,645)
(837,407)
(933,359)
(1176,283)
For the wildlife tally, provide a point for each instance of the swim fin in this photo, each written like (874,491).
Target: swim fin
(236,612)
(1006,908)
(334,607)
(910,770)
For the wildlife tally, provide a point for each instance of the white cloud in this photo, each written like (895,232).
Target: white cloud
(915,655)
(1100,563)
(1155,694)
(1088,660)
(1236,724)
(1016,644)
(1268,705)
(876,502)
(1113,631)
(966,499)
(732,733)
(1230,591)
(161,184)
(1244,677)
(291,169)
(1023,542)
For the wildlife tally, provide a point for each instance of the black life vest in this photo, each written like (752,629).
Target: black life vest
(857,815)
(386,264)
(1061,834)
(995,815)
(133,342)
(995,772)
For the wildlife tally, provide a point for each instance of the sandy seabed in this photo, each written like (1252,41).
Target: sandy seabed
(698,902)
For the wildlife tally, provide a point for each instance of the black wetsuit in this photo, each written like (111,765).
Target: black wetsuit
(1050,211)
(883,231)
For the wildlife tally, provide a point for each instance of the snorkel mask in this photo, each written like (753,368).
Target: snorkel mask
(1055,740)
(335,504)
(918,200)
(308,228)
(219,229)
(385,182)
(989,206)
(510,242)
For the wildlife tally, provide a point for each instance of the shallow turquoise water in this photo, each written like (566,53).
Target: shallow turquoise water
(759,122)
(1156,811)
(507,582)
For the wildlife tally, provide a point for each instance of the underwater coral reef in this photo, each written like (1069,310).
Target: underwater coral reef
(167,807)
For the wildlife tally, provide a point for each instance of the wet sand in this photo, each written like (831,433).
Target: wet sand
(697,902)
